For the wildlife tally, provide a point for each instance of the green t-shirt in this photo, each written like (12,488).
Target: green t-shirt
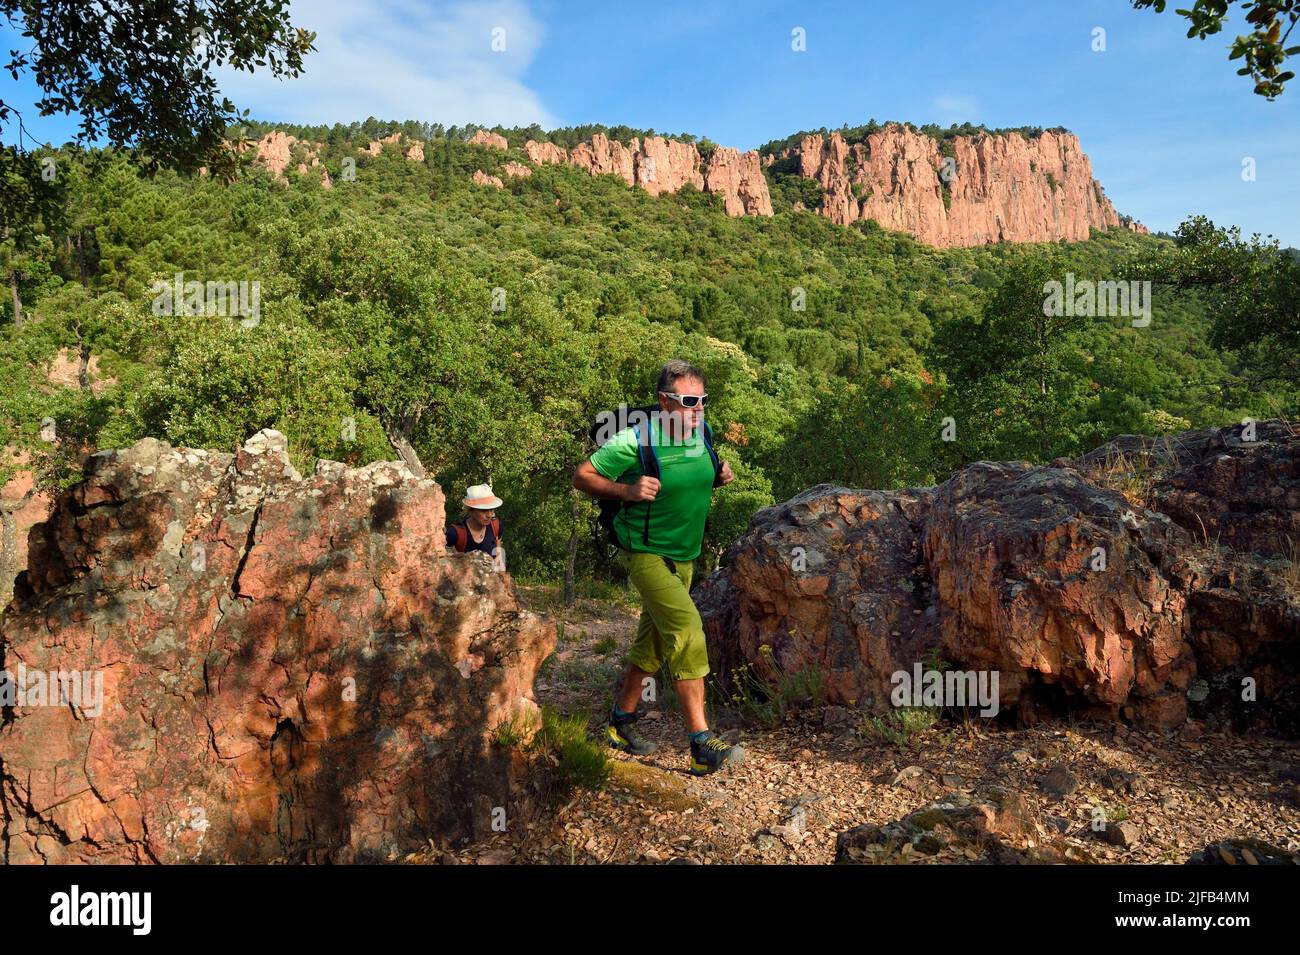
(678,512)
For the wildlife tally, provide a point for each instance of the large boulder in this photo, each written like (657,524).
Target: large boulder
(832,578)
(1063,588)
(1237,487)
(1077,589)
(291,668)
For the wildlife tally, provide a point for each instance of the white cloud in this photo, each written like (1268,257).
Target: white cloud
(956,109)
(404,59)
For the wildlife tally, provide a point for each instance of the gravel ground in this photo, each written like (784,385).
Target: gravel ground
(814,776)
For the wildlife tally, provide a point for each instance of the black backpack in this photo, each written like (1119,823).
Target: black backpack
(610,423)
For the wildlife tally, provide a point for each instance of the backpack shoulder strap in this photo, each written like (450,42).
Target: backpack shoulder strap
(646,456)
(707,433)
(496,528)
(462,537)
(649,461)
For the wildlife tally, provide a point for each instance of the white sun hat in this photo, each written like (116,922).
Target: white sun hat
(480,496)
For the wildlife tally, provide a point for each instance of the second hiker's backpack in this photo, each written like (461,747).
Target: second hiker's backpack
(462,534)
(641,420)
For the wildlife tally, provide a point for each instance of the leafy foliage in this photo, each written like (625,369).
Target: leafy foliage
(488,327)
(1264,49)
(1251,291)
(139,72)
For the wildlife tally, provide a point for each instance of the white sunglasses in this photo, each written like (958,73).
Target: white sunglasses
(687,401)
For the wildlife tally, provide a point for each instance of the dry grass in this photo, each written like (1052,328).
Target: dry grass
(1290,572)
(1133,476)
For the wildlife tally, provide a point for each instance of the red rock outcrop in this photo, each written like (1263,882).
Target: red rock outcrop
(604,156)
(546,152)
(1003,188)
(1238,488)
(325,181)
(516,169)
(273,151)
(276,151)
(1056,583)
(739,179)
(377,146)
(1080,599)
(1235,491)
(490,140)
(483,179)
(663,166)
(292,668)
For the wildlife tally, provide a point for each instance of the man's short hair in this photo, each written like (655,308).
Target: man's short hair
(675,369)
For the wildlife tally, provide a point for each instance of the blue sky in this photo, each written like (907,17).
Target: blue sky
(1165,120)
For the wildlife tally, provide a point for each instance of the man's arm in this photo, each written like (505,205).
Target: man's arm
(591,482)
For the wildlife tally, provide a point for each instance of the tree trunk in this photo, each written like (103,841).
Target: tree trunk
(404,449)
(83,369)
(17,302)
(81,259)
(571,562)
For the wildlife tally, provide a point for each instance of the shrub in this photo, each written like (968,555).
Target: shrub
(581,761)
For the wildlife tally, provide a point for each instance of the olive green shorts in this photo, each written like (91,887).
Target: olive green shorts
(670,630)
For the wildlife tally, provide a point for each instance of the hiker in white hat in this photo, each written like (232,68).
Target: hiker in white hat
(481,528)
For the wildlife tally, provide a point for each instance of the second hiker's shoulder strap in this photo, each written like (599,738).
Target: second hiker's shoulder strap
(496,527)
(462,537)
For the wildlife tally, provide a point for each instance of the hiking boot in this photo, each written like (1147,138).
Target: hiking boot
(622,734)
(713,753)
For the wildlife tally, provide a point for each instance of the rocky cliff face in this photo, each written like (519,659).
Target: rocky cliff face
(661,166)
(276,151)
(547,153)
(490,140)
(377,146)
(739,178)
(971,190)
(291,668)
(273,151)
(1177,601)
(1004,188)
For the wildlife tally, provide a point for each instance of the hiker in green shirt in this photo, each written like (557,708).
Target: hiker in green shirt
(659,530)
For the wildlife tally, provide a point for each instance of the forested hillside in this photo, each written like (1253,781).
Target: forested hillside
(487,327)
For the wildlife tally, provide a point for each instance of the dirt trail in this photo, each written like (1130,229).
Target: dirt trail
(814,776)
